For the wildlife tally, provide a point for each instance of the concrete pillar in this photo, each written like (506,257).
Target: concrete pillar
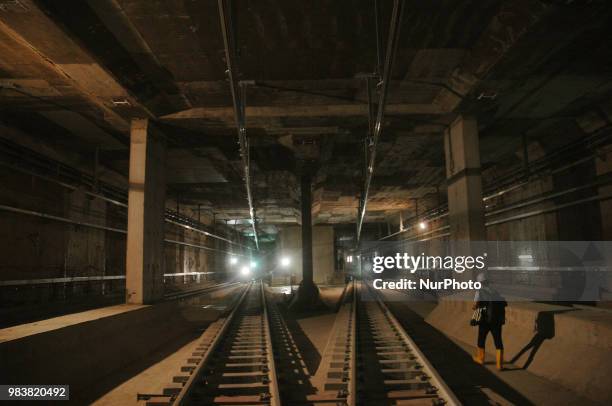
(306,229)
(307,296)
(146,206)
(323,254)
(465,207)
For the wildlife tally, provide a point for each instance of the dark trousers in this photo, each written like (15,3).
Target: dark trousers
(495,329)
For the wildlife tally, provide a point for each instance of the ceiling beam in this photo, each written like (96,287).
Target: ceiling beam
(513,20)
(337,110)
(45,43)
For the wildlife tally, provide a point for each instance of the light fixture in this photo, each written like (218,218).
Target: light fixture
(121,102)
(233,260)
(285,261)
(423,225)
(253,264)
(245,271)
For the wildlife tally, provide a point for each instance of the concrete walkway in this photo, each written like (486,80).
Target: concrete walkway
(475,384)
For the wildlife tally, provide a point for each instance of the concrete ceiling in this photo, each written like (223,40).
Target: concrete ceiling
(77,71)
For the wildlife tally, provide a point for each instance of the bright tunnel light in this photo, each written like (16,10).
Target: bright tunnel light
(245,271)
(422,225)
(253,264)
(233,260)
(285,261)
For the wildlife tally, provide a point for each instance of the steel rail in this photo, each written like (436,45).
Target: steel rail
(203,232)
(240,328)
(102,278)
(522,204)
(273,384)
(190,385)
(442,389)
(68,279)
(168,214)
(239,112)
(195,292)
(106,228)
(60,219)
(542,169)
(352,388)
(339,360)
(521,216)
(392,43)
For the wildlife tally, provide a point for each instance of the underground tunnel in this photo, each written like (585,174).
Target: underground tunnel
(329,202)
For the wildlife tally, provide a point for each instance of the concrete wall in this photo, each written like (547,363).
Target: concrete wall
(290,244)
(86,247)
(603,165)
(536,228)
(38,248)
(323,254)
(185,259)
(96,350)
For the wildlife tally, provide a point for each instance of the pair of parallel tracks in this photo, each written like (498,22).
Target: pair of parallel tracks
(369,359)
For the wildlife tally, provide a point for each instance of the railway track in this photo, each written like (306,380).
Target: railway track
(234,363)
(392,369)
(369,360)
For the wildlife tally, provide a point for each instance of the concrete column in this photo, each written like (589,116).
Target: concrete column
(146,206)
(465,207)
(323,254)
(307,277)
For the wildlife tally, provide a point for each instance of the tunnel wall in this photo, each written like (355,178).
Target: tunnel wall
(603,165)
(541,227)
(539,211)
(186,259)
(38,248)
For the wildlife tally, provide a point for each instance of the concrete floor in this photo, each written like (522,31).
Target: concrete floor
(317,328)
(151,380)
(310,331)
(473,384)
(159,373)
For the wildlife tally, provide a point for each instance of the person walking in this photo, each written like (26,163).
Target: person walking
(493,317)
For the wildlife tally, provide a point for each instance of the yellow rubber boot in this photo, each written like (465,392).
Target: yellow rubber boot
(500,359)
(479,356)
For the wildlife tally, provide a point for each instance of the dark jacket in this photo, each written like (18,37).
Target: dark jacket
(494,304)
(495,313)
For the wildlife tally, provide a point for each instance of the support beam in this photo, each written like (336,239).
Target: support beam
(307,297)
(225,114)
(146,206)
(513,20)
(466,210)
(37,39)
(307,272)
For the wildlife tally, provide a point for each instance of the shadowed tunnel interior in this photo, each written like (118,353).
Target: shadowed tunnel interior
(200,198)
